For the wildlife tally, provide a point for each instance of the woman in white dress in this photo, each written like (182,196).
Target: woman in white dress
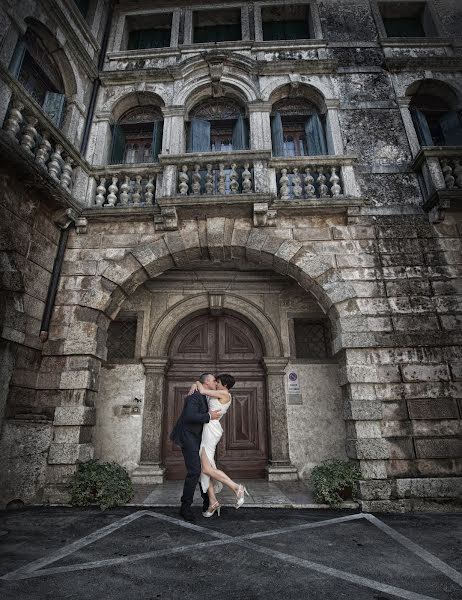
(212,479)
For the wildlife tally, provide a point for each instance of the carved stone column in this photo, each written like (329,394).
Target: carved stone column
(150,470)
(280,467)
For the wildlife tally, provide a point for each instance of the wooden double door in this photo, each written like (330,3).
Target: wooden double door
(220,344)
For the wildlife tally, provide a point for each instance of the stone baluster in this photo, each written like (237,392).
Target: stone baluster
(458,172)
(196,180)
(12,125)
(184,181)
(335,181)
(149,191)
(209,179)
(66,174)
(55,164)
(447,173)
(113,190)
(101,192)
(284,185)
(43,150)
(136,196)
(323,189)
(234,179)
(246,179)
(221,179)
(124,191)
(29,134)
(297,184)
(309,181)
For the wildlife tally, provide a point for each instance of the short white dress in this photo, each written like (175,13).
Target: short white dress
(211,435)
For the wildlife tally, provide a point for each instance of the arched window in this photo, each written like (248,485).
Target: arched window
(297,129)
(436,115)
(137,136)
(217,125)
(35,68)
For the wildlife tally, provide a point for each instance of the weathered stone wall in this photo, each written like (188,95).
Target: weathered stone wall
(28,246)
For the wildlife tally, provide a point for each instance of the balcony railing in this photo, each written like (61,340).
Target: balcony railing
(440,172)
(27,126)
(126,186)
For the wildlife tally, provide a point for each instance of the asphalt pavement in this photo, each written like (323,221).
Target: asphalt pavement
(149,553)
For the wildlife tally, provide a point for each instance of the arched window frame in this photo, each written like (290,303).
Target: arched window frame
(138,129)
(297,128)
(217,125)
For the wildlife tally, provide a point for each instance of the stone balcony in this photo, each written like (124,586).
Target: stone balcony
(440,173)
(41,155)
(246,181)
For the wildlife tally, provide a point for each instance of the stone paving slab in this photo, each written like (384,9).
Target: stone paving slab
(246,554)
(262,494)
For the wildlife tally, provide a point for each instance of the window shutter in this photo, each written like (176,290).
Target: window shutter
(199,136)
(240,134)
(157,139)
(315,136)
(451,127)
(118,145)
(421,127)
(134,40)
(277,135)
(53,106)
(17,58)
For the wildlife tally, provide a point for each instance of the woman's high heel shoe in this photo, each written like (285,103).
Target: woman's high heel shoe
(215,508)
(242,490)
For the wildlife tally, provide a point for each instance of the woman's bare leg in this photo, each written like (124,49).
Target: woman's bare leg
(211,493)
(217,474)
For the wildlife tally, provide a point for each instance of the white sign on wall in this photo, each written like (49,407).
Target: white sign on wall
(294,387)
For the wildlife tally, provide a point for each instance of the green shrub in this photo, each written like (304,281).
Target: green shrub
(105,484)
(333,477)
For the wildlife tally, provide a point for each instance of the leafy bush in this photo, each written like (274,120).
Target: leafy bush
(332,478)
(105,484)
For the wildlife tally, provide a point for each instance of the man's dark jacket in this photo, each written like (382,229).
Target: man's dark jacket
(195,413)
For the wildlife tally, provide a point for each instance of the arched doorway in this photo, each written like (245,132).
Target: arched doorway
(223,343)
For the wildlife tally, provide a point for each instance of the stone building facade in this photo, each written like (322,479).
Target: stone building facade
(271,190)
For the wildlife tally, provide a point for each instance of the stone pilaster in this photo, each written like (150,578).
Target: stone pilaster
(150,470)
(280,467)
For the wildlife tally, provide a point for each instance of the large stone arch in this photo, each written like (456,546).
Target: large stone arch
(176,249)
(161,335)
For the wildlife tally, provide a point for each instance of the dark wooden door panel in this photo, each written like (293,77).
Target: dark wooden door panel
(220,344)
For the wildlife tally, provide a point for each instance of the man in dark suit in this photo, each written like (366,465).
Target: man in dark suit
(187,434)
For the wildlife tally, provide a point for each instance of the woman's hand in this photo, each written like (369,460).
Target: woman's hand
(193,389)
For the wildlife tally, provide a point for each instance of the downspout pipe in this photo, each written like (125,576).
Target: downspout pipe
(64,235)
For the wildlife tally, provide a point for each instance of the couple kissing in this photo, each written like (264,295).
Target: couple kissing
(197,432)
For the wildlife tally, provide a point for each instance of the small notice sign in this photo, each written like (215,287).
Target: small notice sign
(294,388)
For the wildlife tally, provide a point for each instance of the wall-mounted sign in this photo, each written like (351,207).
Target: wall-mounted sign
(294,396)
(294,382)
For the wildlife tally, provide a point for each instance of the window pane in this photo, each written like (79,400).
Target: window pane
(404,27)
(310,339)
(121,339)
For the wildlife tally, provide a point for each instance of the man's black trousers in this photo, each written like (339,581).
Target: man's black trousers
(190,449)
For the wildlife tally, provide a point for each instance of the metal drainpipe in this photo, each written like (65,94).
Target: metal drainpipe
(64,236)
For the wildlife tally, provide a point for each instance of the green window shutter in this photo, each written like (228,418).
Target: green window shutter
(295,30)
(53,106)
(451,127)
(277,135)
(157,139)
(199,136)
(118,144)
(315,136)
(404,27)
(240,134)
(421,127)
(17,58)
(133,40)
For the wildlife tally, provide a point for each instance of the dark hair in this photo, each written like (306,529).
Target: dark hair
(226,379)
(203,377)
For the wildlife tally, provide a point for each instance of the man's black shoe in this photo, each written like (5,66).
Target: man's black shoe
(205,506)
(187,514)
